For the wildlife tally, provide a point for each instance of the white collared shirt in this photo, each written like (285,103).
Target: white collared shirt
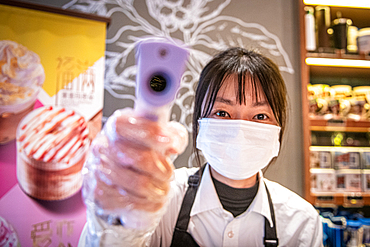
(297,222)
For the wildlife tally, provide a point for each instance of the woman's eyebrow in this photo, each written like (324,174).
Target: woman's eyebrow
(231,102)
(225,101)
(260,103)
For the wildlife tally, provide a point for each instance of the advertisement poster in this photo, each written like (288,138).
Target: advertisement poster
(51,101)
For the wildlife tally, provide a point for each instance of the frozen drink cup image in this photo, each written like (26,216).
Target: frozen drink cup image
(21,78)
(52,146)
(8,236)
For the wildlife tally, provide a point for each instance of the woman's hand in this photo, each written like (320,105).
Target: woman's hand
(129,166)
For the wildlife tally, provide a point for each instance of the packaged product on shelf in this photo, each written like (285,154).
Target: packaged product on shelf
(318,99)
(357,109)
(363,40)
(345,227)
(322,180)
(336,229)
(318,90)
(322,18)
(339,103)
(360,102)
(310,28)
(340,31)
(352,39)
(341,91)
(334,109)
(348,180)
(346,160)
(326,227)
(366,160)
(365,231)
(320,159)
(353,233)
(366,180)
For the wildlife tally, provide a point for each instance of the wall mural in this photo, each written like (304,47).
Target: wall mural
(200,24)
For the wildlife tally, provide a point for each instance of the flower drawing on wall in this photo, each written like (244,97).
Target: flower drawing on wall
(199,24)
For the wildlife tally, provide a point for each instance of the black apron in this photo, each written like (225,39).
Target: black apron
(181,238)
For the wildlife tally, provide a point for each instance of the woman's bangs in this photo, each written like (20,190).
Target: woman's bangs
(248,83)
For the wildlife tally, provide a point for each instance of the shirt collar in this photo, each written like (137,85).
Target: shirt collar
(206,198)
(260,203)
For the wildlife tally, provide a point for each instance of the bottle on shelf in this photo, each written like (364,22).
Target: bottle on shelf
(322,16)
(352,39)
(339,30)
(310,29)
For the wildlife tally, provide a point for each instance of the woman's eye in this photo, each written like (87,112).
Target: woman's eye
(260,117)
(222,114)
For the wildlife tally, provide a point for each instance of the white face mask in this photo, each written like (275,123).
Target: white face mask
(237,149)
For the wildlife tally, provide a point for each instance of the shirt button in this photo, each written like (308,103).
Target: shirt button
(230,234)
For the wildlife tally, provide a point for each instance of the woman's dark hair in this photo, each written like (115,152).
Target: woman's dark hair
(263,74)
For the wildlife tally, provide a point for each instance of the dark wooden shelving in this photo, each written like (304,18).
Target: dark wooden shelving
(346,125)
(332,75)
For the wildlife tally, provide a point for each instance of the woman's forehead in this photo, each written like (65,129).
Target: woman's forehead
(251,89)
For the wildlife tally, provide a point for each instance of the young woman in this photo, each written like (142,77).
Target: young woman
(134,197)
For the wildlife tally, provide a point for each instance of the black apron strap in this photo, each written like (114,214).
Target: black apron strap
(180,236)
(270,239)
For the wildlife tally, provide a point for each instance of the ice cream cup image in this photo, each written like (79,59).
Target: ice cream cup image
(21,78)
(8,236)
(52,146)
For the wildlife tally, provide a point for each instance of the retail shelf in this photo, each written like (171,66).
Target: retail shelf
(346,125)
(342,68)
(337,55)
(359,16)
(339,3)
(351,71)
(338,149)
(341,194)
(347,199)
(339,129)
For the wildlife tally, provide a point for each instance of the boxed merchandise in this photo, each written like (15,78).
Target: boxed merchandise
(317,97)
(320,159)
(366,160)
(346,160)
(359,105)
(366,180)
(348,180)
(322,180)
(363,40)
